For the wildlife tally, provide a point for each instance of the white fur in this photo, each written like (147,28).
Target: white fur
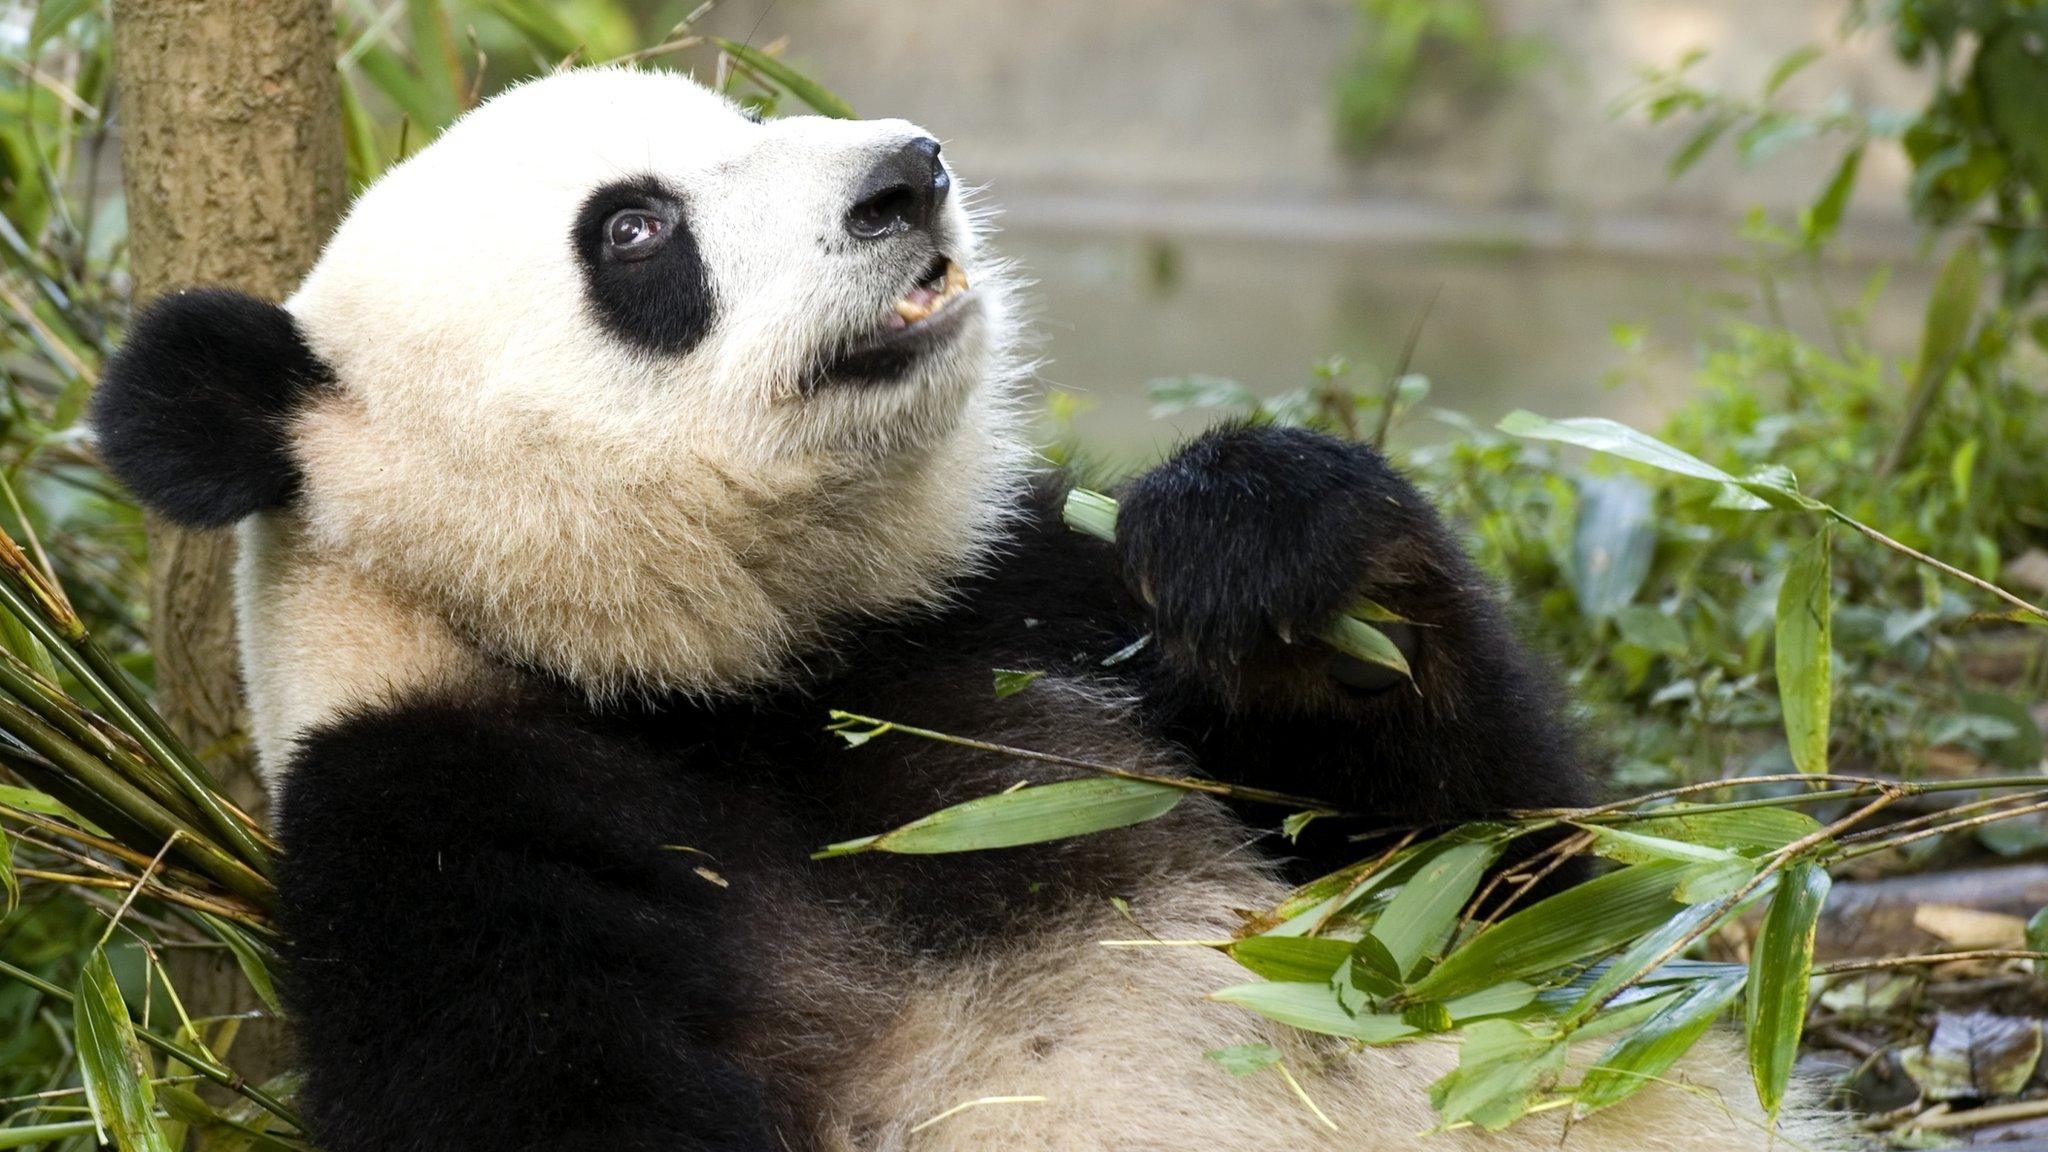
(495,459)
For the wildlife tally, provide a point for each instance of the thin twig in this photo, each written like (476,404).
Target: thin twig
(1944,568)
(1886,962)
(1186,783)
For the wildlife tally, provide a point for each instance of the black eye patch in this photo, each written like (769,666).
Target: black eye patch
(660,300)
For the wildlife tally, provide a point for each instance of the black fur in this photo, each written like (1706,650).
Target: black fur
(664,302)
(496,943)
(193,412)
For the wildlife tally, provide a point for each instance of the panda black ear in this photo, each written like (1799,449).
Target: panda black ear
(193,413)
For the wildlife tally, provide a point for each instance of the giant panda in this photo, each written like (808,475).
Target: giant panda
(615,438)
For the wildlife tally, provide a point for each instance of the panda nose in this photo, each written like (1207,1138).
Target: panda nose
(901,193)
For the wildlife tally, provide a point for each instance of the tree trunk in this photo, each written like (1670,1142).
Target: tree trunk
(232,159)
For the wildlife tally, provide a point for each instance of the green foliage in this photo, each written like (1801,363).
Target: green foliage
(1398,42)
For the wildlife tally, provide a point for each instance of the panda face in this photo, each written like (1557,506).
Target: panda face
(627,249)
(634,389)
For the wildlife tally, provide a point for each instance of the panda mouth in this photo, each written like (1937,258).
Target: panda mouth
(942,283)
(918,323)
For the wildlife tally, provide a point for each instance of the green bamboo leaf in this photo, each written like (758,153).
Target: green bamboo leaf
(543,30)
(389,73)
(1696,918)
(1818,223)
(1313,1007)
(1502,1067)
(1245,1059)
(1632,847)
(253,958)
(1025,816)
(52,17)
(1790,65)
(1291,959)
(1744,830)
(1706,883)
(1362,641)
(111,1063)
(1805,662)
(1510,996)
(442,69)
(821,99)
(1644,1054)
(1697,144)
(1615,440)
(1950,311)
(1010,681)
(1778,976)
(1421,915)
(1579,924)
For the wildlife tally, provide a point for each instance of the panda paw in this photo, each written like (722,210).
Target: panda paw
(1249,539)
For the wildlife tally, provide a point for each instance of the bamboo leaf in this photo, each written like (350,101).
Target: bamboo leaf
(1421,915)
(1645,1053)
(52,17)
(1024,816)
(1818,223)
(542,29)
(1291,959)
(1778,976)
(1949,313)
(111,1063)
(1630,847)
(1502,1066)
(1578,924)
(1010,681)
(1629,965)
(253,958)
(1362,641)
(822,100)
(1313,1007)
(1615,440)
(1805,663)
(1746,830)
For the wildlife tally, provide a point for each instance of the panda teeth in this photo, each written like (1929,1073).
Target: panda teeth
(920,302)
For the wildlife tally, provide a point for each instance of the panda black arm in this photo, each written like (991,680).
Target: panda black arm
(1249,539)
(1230,555)
(489,948)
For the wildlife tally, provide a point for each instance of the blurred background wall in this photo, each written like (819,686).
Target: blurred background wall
(1186,182)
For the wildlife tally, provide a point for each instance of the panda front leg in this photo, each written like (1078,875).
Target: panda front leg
(1247,541)
(490,949)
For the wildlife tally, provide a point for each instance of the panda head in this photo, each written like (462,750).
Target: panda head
(619,382)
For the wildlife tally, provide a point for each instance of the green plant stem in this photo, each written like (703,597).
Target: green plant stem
(1940,566)
(76,651)
(1882,963)
(1891,842)
(131,801)
(220,1074)
(19,681)
(45,1133)
(1189,784)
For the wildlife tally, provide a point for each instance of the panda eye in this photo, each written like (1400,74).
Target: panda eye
(634,233)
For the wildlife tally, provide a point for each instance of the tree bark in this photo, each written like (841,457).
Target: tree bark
(233,164)
(231,152)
